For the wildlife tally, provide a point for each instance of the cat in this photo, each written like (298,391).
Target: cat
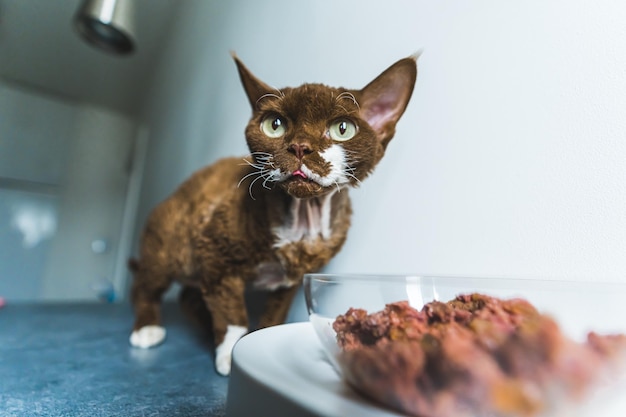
(280,213)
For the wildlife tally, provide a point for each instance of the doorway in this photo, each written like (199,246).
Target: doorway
(68,180)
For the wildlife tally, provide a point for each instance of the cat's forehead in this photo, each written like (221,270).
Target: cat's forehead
(311,100)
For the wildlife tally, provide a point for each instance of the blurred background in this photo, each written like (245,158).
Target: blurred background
(510,160)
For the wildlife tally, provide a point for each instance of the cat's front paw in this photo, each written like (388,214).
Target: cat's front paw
(223,364)
(223,353)
(147,336)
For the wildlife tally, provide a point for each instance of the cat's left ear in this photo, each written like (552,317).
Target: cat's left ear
(384,100)
(255,88)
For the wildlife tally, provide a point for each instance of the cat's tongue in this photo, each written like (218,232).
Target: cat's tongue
(299,173)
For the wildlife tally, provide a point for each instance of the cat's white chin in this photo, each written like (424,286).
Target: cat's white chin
(301,188)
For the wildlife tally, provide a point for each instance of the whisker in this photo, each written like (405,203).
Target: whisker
(342,108)
(270,95)
(337,185)
(251,174)
(349,172)
(262,156)
(263,163)
(355,178)
(256,166)
(351,158)
(348,95)
(268,178)
(251,184)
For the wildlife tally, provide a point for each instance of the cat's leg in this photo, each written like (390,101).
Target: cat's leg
(193,306)
(226,302)
(149,284)
(277,306)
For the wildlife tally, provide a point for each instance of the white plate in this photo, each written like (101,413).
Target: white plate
(282,371)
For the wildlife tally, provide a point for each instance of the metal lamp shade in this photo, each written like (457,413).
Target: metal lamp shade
(107,24)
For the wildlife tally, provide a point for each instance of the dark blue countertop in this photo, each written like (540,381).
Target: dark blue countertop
(75,360)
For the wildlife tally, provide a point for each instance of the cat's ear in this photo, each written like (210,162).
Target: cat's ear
(384,100)
(255,88)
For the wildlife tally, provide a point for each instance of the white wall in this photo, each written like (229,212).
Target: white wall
(510,160)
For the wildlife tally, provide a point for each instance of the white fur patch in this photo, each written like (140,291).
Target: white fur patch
(335,155)
(325,211)
(308,219)
(147,336)
(224,352)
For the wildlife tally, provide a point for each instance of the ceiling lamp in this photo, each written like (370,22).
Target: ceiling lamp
(107,24)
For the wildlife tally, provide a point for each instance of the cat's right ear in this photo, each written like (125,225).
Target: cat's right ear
(383,101)
(255,88)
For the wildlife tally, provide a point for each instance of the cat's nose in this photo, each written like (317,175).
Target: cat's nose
(300,149)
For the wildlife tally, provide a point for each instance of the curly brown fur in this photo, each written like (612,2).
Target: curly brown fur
(279,213)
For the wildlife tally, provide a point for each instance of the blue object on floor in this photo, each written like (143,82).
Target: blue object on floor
(74,360)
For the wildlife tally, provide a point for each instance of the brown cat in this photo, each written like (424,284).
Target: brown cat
(282,213)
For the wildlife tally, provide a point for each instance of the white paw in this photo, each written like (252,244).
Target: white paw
(147,336)
(223,353)
(222,364)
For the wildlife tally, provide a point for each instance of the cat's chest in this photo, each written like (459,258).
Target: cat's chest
(301,241)
(306,220)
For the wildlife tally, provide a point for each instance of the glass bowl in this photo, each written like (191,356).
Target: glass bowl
(577,307)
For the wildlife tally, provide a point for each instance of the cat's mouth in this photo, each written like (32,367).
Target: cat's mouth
(301,185)
(298,173)
(300,177)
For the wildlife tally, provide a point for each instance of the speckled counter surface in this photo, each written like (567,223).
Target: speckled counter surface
(75,360)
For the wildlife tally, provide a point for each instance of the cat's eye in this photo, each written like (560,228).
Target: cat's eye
(342,130)
(273,126)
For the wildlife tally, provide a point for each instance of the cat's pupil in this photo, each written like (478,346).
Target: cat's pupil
(343,126)
(276,124)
